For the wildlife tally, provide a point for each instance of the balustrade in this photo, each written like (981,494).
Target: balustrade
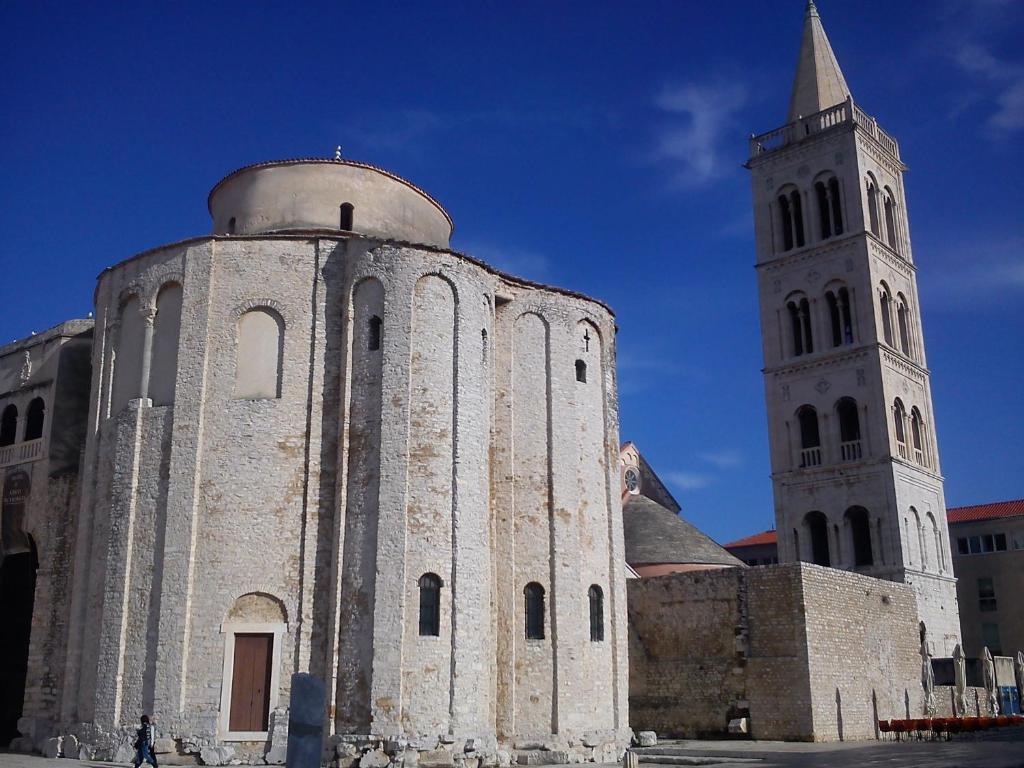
(846,112)
(18,453)
(850,450)
(901,448)
(810,457)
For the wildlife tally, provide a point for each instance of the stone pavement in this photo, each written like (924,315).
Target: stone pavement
(1002,749)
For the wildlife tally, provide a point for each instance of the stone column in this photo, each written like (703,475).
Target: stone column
(148,318)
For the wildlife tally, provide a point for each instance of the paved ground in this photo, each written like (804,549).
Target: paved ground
(1001,749)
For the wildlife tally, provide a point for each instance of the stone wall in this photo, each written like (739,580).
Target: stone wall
(810,653)
(464,445)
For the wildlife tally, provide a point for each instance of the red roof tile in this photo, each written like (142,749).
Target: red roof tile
(986,511)
(768,537)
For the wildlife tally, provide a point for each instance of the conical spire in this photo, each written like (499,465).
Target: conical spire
(819,82)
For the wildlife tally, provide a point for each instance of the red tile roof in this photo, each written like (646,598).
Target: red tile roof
(767,537)
(986,511)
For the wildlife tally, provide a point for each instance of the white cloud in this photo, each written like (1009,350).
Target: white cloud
(725,459)
(994,271)
(687,481)
(703,115)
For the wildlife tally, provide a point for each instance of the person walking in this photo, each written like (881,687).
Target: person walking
(144,744)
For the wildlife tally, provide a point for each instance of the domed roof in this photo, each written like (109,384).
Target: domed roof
(322,193)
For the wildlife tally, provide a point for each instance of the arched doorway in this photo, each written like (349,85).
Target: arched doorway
(817,525)
(17,594)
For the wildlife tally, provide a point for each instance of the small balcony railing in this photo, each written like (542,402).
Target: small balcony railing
(901,449)
(919,456)
(846,112)
(18,453)
(850,450)
(810,457)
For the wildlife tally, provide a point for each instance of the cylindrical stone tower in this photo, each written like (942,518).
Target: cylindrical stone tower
(322,441)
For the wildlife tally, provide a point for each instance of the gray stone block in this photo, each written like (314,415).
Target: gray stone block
(374,759)
(216,755)
(52,746)
(277,755)
(436,758)
(21,744)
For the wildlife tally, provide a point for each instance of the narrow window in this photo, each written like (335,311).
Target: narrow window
(873,207)
(860,531)
(483,344)
(231,225)
(794,319)
(899,417)
(373,339)
(596,597)
(885,307)
(786,220)
(9,425)
(166,332)
(796,545)
(798,218)
(805,319)
(849,429)
(34,419)
(916,434)
(347,211)
(903,325)
(823,210)
(430,605)
(987,595)
(835,318)
(890,220)
(810,439)
(581,371)
(843,298)
(837,213)
(817,525)
(534,594)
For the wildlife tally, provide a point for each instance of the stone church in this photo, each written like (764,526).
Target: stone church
(319,440)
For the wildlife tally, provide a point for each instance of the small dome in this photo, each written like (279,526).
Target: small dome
(296,195)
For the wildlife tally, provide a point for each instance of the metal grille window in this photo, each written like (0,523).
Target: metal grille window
(596,597)
(534,594)
(430,605)
(986,595)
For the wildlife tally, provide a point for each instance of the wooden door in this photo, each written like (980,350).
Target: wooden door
(250,682)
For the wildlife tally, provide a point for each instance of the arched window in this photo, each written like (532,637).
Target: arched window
(849,429)
(899,419)
(940,551)
(885,307)
(166,327)
(581,371)
(829,207)
(860,532)
(258,358)
(346,212)
(810,439)
(9,425)
(791,220)
(430,605)
(890,219)
(374,333)
(34,419)
(873,206)
(128,360)
(840,316)
(534,594)
(799,309)
(902,322)
(837,214)
(817,526)
(824,210)
(917,435)
(596,598)
(918,536)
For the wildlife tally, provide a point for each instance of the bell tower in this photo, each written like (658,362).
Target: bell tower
(855,462)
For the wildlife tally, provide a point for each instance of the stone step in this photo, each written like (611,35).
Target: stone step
(662,758)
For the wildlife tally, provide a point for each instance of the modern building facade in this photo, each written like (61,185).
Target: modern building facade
(855,463)
(988,560)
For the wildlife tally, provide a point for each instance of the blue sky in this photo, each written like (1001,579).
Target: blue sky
(593,145)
